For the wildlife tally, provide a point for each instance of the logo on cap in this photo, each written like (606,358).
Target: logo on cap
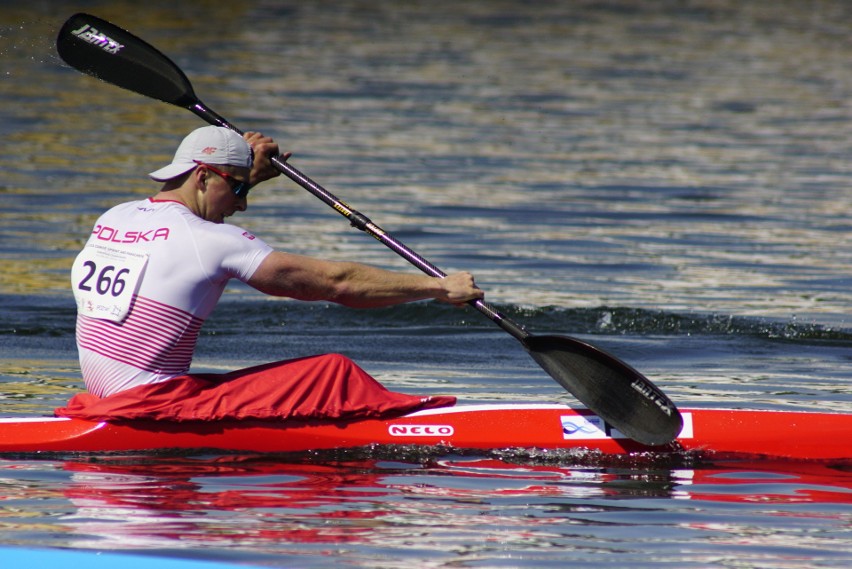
(209,150)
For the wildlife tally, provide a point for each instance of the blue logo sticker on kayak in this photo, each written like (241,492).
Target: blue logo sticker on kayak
(586,427)
(583,427)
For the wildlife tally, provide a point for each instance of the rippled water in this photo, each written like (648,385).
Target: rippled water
(668,180)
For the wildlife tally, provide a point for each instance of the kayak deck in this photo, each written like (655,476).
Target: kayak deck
(720,432)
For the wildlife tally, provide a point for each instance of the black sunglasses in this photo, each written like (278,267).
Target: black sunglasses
(240,188)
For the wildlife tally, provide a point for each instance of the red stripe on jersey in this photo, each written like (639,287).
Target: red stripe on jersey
(154,337)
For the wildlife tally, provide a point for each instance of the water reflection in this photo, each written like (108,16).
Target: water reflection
(246,501)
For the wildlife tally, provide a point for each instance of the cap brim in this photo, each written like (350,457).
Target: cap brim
(173,170)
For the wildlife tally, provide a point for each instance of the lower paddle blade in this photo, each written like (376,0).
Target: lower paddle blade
(616,392)
(103,50)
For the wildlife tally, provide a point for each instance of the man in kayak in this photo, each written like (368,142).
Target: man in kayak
(153,270)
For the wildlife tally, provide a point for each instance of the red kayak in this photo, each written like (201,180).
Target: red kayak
(719,433)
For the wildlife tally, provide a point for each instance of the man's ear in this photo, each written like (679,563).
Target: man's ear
(200,177)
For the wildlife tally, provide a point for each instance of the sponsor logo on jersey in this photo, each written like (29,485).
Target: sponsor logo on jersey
(106,233)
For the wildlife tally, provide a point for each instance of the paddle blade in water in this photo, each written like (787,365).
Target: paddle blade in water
(103,50)
(616,392)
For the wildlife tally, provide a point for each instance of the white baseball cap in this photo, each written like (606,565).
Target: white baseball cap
(209,144)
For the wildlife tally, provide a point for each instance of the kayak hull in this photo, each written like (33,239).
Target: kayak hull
(717,432)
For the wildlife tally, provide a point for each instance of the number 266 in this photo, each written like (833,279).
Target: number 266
(105,281)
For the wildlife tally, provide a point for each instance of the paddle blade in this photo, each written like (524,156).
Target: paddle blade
(103,50)
(616,392)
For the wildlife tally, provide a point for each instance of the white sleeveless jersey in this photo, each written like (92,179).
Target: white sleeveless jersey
(150,274)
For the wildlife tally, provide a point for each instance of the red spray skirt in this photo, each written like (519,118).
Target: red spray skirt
(328,386)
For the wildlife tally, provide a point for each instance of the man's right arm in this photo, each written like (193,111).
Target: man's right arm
(354,284)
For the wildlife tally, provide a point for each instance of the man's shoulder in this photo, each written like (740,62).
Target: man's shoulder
(178,218)
(132,204)
(229,231)
(224,235)
(133,207)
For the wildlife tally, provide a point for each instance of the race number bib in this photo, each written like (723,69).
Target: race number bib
(105,278)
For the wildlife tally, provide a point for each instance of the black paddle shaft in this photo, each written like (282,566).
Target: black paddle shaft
(613,390)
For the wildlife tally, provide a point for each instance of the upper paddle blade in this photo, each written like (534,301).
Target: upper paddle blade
(616,392)
(103,50)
